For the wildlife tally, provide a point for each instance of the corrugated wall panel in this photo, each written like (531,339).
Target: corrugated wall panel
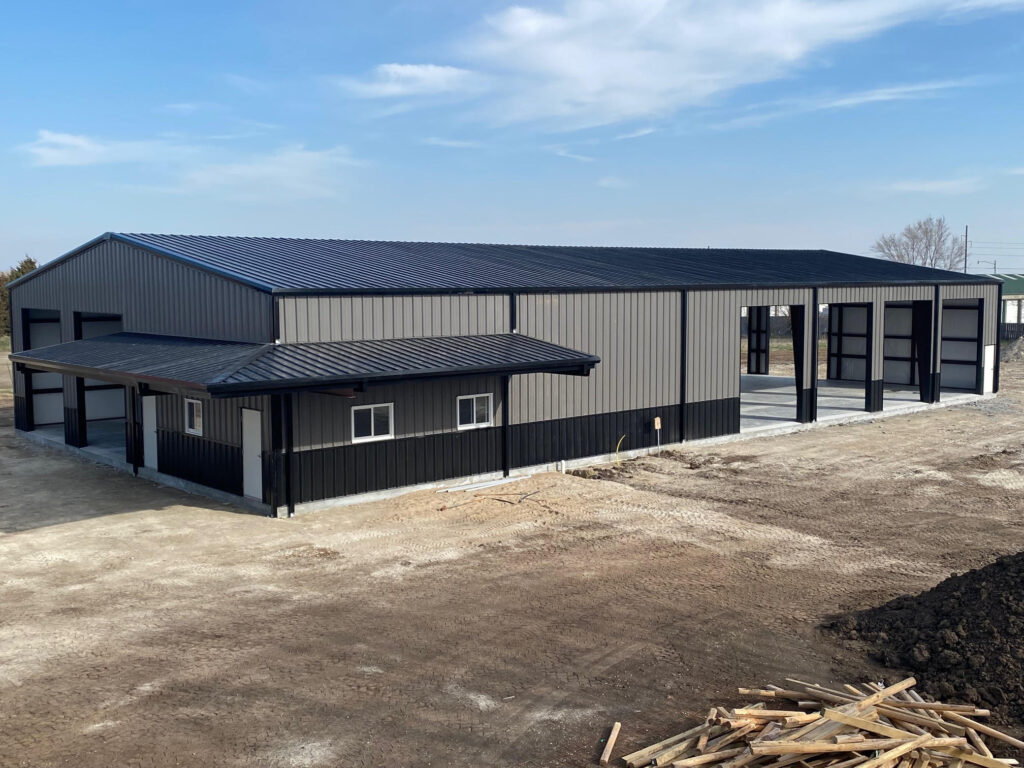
(876,296)
(421,408)
(349,318)
(153,294)
(990,294)
(222,418)
(713,345)
(636,335)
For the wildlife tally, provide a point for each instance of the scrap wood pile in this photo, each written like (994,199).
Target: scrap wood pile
(809,726)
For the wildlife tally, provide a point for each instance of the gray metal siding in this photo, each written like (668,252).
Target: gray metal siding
(636,335)
(420,409)
(876,296)
(351,318)
(153,294)
(713,337)
(222,419)
(990,294)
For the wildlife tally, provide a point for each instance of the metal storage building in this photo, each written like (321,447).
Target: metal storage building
(295,372)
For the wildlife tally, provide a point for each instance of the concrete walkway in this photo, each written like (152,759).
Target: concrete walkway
(106,440)
(769,402)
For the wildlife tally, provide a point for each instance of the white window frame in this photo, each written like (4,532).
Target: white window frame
(369,407)
(490,410)
(198,432)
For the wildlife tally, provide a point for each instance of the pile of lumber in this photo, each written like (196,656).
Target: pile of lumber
(810,726)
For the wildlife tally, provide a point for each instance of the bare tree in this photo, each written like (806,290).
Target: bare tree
(927,243)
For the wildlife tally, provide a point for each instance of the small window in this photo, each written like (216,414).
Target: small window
(194,417)
(474,411)
(372,422)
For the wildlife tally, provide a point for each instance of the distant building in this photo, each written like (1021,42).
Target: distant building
(1013,298)
(293,373)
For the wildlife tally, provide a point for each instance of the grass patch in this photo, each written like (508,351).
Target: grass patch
(5,344)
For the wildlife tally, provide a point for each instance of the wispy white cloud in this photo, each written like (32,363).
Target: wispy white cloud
(612,182)
(407,80)
(292,172)
(763,113)
(437,141)
(960,186)
(586,63)
(636,134)
(52,148)
(1016,171)
(569,155)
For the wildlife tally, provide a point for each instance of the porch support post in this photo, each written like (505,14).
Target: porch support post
(506,427)
(75,426)
(132,427)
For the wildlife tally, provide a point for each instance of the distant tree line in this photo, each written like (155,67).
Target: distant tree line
(25,266)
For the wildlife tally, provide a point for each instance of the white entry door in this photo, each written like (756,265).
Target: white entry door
(149,431)
(252,453)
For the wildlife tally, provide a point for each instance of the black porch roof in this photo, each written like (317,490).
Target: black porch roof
(225,369)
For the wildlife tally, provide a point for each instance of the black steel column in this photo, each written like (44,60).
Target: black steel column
(24,411)
(75,426)
(289,442)
(921,344)
(815,334)
(872,386)
(936,373)
(273,467)
(999,342)
(132,428)
(682,365)
(797,320)
(506,427)
(979,379)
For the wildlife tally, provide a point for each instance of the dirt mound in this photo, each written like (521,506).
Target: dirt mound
(1012,352)
(964,638)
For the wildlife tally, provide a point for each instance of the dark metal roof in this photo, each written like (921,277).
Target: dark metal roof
(1013,285)
(293,265)
(355,362)
(225,368)
(182,362)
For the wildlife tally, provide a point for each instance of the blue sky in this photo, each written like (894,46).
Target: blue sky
(764,123)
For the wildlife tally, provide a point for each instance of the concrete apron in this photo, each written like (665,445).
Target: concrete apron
(463,483)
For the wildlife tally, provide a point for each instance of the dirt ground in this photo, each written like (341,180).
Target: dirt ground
(140,626)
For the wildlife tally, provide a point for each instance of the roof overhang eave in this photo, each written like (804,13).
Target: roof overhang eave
(323,383)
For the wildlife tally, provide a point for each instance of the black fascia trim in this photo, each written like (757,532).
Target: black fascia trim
(569,367)
(504,290)
(146,247)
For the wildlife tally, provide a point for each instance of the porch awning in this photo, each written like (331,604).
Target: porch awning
(230,369)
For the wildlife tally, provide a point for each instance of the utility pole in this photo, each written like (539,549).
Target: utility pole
(995,266)
(965,249)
